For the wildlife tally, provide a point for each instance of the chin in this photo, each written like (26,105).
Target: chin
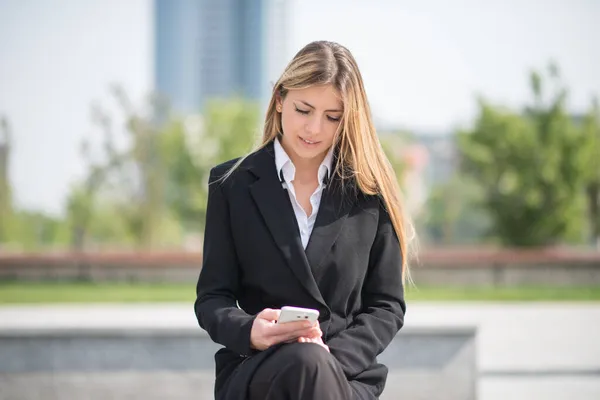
(309,153)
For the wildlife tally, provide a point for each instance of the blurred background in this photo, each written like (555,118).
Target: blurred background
(113,112)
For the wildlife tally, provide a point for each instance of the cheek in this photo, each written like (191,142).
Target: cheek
(330,131)
(291,122)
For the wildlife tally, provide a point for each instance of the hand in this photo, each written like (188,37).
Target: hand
(318,341)
(266,332)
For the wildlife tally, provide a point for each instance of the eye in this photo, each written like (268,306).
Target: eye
(333,119)
(304,112)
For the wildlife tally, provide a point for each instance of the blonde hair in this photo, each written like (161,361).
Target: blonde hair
(360,154)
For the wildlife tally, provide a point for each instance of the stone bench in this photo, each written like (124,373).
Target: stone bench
(177,363)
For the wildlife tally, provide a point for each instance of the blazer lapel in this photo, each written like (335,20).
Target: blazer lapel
(336,204)
(275,207)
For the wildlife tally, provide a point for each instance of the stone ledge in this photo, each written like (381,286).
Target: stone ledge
(162,331)
(65,361)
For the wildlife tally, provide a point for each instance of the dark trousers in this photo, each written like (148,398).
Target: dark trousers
(300,371)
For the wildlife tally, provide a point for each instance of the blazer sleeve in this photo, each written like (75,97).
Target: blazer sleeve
(384,307)
(219,282)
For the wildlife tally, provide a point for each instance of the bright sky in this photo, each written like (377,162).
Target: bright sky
(422,63)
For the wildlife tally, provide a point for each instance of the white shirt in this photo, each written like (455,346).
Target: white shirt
(287,170)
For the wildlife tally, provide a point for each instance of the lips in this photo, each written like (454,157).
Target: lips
(308,141)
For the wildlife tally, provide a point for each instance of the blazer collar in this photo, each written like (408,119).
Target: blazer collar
(274,205)
(287,170)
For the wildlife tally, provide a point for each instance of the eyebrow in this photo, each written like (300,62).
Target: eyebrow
(313,107)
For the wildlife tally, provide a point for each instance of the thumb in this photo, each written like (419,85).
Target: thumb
(269,314)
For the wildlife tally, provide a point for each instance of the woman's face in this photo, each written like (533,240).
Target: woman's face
(310,118)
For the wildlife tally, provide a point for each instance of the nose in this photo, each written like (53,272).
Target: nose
(314,125)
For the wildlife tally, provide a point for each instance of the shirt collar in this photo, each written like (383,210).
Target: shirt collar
(287,170)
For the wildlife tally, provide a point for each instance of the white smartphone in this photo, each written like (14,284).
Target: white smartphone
(290,314)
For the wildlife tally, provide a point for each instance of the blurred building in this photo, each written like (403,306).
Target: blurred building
(218,48)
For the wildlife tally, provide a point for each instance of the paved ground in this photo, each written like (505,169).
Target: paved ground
(542,337)
(527,351)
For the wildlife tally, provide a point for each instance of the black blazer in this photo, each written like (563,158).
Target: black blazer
(253,255)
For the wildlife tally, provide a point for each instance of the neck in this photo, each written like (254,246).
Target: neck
(307,170)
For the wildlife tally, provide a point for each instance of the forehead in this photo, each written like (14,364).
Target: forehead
(321,97)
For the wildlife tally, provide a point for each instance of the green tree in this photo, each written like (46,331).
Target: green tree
(23,229)
(81,201)
(38,231)
(530,165)
(591,131)
(126,182)
(6,209)
(155,186)
(228,129)
(454,215)
(394,145)
(144,174)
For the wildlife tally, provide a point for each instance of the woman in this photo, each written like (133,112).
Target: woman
(311,219)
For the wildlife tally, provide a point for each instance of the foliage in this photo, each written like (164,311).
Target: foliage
(6,209)
(454,215)
(152,191)
(394,145)
(528,178)
(35,230)
(194,145)
(531,167)
(591,132)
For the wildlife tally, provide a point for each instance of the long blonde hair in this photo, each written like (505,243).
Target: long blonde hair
(360,154)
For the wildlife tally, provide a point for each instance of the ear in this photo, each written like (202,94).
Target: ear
(278,102)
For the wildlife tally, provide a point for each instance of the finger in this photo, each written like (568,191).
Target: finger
(280,329)
(269,314)
(293,335)
(314,333)
(304,332)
